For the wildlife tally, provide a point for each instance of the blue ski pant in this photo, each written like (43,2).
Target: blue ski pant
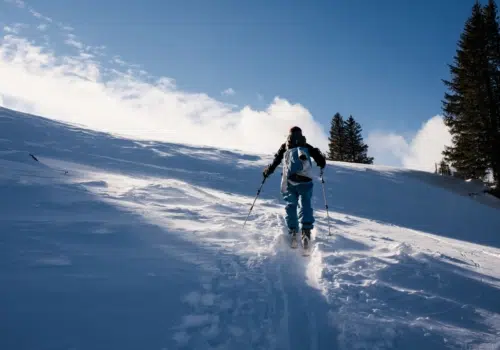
(299,197)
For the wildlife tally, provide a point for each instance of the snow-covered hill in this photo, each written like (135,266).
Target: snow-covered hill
(109,243)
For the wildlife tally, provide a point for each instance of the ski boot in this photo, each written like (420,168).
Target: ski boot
(306,237)
(293,237)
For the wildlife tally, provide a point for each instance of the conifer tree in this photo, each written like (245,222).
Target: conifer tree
(336,146)
(444,168)
(492,30)
(356,149)
(465,107)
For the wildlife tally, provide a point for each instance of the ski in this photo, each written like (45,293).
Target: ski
(306,247)
(293,241)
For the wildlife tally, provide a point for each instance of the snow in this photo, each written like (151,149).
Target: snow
(111,243)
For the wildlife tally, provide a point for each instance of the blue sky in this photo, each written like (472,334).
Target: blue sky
(381,61)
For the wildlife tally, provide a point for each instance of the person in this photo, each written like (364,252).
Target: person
(297,188)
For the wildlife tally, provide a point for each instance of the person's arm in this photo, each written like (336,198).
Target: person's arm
(278,157)
(317,156)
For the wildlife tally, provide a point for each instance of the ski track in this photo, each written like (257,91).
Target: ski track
(272,300)
(157,258)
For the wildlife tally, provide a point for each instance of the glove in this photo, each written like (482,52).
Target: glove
(267,171)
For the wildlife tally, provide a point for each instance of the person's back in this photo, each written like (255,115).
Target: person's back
(297,187)
(295,139)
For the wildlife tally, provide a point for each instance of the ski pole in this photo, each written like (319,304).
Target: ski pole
(258,192)
(326,204)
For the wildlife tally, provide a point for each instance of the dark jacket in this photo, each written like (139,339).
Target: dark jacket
(314,152)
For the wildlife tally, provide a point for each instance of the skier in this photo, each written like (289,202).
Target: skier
(297,187)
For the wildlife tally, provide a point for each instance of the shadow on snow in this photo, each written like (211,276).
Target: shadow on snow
(398,199)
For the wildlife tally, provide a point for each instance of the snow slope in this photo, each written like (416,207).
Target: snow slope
(109,243)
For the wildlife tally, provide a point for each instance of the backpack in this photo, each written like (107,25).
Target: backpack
(297,161)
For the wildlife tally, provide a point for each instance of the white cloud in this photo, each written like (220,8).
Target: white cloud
(78,89)
(42,27)
(421,152)
(387,148)
(427,146)
(1,101)
(119,61)
(9,29)
(36,14)
(71,41)
(228,92)
(14,28)
(18,3)
(40,16)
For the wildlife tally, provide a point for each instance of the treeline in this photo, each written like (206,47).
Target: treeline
(471,104)
(346,142)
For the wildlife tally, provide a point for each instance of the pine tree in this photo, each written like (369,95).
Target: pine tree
(465,108)
(444,168)
(336,146)
(356,150)
(492,29)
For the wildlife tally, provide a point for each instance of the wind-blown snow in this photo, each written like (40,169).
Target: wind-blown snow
(109,243)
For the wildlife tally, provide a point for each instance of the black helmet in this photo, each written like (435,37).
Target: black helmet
(295,138)
(295,130)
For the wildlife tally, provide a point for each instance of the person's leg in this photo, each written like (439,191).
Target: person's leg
(291,199)
(306,214)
